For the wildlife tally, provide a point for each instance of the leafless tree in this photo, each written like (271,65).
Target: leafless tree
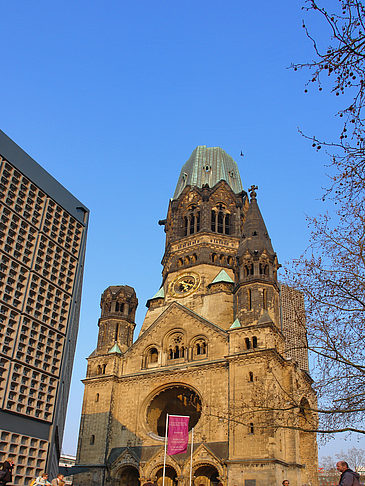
(339,68)
(331,273)
(354,457)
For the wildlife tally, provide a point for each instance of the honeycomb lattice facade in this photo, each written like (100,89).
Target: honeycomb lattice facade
(212,346)
(42,246)
(294,327)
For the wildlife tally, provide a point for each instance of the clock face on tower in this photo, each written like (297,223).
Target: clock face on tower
(184,285)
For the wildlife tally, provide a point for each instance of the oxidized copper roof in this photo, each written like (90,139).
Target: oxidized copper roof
(209,165)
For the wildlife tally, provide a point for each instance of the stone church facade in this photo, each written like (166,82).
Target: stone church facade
(222,342)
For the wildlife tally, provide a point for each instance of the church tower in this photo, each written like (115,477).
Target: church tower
(219,343)
(257,290)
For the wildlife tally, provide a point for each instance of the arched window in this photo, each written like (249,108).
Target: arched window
(200,348)
(97,397)
(248,269)
(176,347)
(214,257)
(249,299)
(230,260)
(254,342)
(180,262)
(192,220)
(250,376)
(251,428)
(222,259)
(117,307)
(220,220)
(99,370)
(248,343)
(104,369)
(153,355)
(92,440)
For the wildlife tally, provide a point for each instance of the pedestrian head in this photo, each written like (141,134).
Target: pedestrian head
(44,475)
(341,466)
(285,482)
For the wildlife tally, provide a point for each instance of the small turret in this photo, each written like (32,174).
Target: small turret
(116,324)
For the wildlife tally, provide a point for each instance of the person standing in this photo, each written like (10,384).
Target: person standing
(42,480)
(58,481)
(348,477)
(7,468)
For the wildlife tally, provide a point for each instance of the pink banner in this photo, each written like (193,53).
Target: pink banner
(177,434)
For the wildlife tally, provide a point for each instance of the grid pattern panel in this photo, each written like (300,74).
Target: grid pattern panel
(9,320)
(4,372)
(31,392)
(39,346)
(294,326)
(28,453)
(13,279)
(17,192)
(17,237)
(55,264)
(62,228)
(47,303)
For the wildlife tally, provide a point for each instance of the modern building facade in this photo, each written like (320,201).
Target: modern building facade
(220,343)
(43,231)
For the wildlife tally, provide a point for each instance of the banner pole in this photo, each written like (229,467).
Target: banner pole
(191,454)
(164,457)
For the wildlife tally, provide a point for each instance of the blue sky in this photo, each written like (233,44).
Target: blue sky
(111,97)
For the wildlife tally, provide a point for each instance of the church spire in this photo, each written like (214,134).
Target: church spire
(255,237)
(256,274)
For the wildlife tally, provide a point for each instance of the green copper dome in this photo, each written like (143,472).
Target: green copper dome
(209,165)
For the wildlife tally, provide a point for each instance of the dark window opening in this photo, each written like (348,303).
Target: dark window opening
(92,440)
(249,299)
(153,355)
(264,299)
(248,270)
(251,376)
(254,342)
(220,222)
(251,428)
(226,225)
(213,221)
(191,224)
(248,343)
